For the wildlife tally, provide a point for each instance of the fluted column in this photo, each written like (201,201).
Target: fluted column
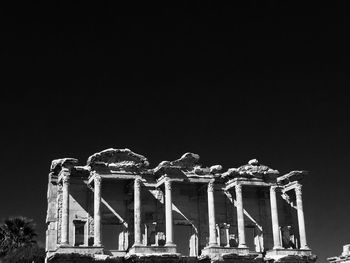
(97,211)
(65,207)
(301,220)
(274,218)
(211,215)
(240,217)
(137,212)
(168,214)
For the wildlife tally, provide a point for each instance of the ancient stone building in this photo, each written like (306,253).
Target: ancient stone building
(117,206)
(343,258)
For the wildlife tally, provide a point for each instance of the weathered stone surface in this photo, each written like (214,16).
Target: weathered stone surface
(343,258)
(186,165)
(119,160)
(251,170)
(291,177)
(56,165)
(187,161)
(183,237)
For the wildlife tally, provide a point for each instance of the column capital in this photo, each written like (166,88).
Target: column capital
(298,190)
(97,179)
(238,188)
(211,186)
(65,176)
(137,183)
(167,184)
(274,188)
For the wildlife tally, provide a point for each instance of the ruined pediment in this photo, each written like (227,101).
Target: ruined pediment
(58,164)
(187,165)
(123,160)
(251,170)
(292,176)
(187,161)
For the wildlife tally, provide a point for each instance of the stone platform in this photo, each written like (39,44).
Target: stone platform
(304,255)
(153,250)
(216,252)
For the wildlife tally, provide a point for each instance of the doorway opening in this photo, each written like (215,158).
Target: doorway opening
(79,233)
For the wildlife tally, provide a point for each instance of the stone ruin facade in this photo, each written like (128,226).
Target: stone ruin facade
(343,258)
(115,206)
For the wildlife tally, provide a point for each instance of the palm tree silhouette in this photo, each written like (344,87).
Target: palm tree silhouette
(16,233)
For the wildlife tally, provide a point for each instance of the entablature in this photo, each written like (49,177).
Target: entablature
(247,182)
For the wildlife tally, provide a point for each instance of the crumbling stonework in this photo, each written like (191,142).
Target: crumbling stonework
(116,207)
(343,258)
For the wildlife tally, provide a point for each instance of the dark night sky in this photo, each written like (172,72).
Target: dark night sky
(228,82)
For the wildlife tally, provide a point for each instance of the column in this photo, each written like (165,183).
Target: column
(227,229)
(240,217)
(168,214)
(97,211)
(65,207)
(137,212)
(274,217)
(301,220)
(211,215)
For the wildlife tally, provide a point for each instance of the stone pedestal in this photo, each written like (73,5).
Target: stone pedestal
(152,250)
(216,253)
(279,253)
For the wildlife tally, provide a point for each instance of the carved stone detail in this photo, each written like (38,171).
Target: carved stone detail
(167,184)
(119,160)
(238,189)
(274,188)
(91,225)
(137,183)
(59,213)
(65,178)
(252,169)
(97,180)
(211,186)
(298,190)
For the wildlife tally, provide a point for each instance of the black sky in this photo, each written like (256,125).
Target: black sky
(230,82)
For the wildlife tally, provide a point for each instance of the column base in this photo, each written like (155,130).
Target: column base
(277,247)
(214,245)
(138,245)
(65,244)
(170,244)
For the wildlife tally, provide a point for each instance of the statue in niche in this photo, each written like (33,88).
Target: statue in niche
(287,238)
(233,240)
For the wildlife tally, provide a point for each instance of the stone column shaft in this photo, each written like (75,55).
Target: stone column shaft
(65,209)
(97,211)
(227,236)
(168,214)
(211,215)
(301,220)
(240,217)
(137,212)
(274,218)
